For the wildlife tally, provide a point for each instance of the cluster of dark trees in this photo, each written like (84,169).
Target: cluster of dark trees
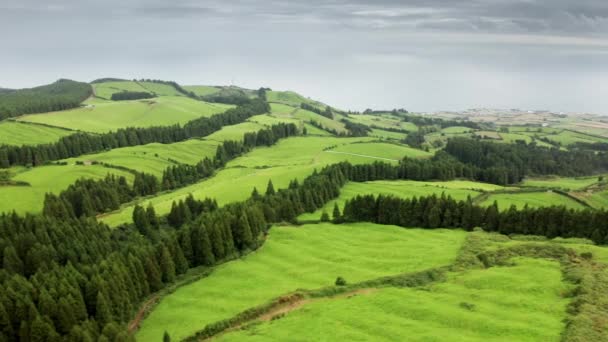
(78,280)
(597,146)
(80,143)
(328,112)
(184,211)
(445,212)
(63,94)
(525,159)
(131,95)
(229,95)
(356,129)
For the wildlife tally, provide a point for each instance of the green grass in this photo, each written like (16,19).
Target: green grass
(532,199)
(106,89)
(308,116)
(269,120)
(312,130)
(18,133)
(598,199)
(569,183)
(109,115)
(201,90)
(45,179)
(519,303)
(382,150)
(160,89)
(456,130)
(380,133)
(292,158)
(155,158)
(382,121)
(514,137)
(291,98)
(405,189)
(299,257)
(235,132)
(568,138)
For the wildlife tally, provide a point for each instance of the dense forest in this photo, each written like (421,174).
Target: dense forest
(82,143)
(131,95)
(63,94)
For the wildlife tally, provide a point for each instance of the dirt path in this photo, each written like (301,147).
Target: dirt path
(289,306)
(134,324)
(362,155)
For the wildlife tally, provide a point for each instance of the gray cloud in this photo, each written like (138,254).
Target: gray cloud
(425,55)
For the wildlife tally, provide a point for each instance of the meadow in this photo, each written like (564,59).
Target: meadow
(105,116)
(309,256)
(44,179)
(404,189)
(380,150)
(105,90)
(523,302)
(566,183)
(382,121)
(202,90)
(292,158)
(532,199)
(19,133)
(154,158)
(291,98)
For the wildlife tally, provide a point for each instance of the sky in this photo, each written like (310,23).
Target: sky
(422,55)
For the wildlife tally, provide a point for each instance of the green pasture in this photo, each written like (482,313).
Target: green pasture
(309,257)
(107,116)
(18,133)
(106,89)
(202,90)
(383,134)
(155,158)
(524,302)
(45,179)
(566,183)
(532,199)
(380,150)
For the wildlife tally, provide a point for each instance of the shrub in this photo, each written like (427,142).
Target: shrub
(340,281)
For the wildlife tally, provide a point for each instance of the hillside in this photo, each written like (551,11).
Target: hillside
(146,210)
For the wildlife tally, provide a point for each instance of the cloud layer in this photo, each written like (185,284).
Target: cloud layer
(424,55)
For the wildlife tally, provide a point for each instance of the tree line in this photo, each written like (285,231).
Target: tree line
(131,95)
(81,143)
(61,95)
(445,212)
(327,112)
(88,197)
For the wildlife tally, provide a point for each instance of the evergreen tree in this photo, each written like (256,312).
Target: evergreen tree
(270,189)
(336,214)
(166,337)
(324,216)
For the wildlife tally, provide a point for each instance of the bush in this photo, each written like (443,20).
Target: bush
(340,281)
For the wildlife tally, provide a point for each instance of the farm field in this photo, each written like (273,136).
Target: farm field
(202,90)
(570,183)
(105,90)
(402,188)
(292,158)
(309,256)
(44,179)
(532,199)
(382,121)
(107,116)
(18,133)
(380,133)
(379,150)
(518,303)
(155,158)
(291,98)
(597,200)
(235,132)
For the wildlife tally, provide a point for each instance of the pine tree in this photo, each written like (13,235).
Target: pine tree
(166,337)
(152,218)
(336,214)
(167,267)
(324,216)
(140,219)
(102,310)
(12,262)
(270,189)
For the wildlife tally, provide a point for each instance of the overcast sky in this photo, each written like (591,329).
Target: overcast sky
(423,55)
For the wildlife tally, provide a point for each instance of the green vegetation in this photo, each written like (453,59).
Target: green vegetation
(105,90)
(523,302)
(200,90)
(154,158)
(569,183)
(110,116)
(61,95)
(291,98)
(43,179)
(532,199)
(459,190)
(17,133)
(381,150)
(304,257)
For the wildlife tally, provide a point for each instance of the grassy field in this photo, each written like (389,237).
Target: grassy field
(532,199)
(519,303)
(308,116)
(235,132)
(155,158)
(382,121)
(45,179)
(291,158)
(597,200)
(109,115)
(19,133)
(201,90)
(404,189)
(456,130)
(291,98)
(380,133)
(106,89)
(381,150)
(570,183)
(304,257)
